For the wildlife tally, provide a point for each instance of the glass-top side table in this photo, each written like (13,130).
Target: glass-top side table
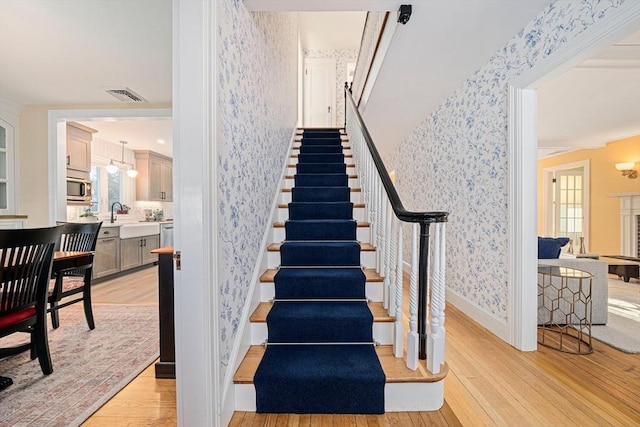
(564,309)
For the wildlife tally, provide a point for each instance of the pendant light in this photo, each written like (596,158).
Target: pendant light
(113,168)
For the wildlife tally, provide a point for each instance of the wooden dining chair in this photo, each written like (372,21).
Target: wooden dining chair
(81,237)
(26,257)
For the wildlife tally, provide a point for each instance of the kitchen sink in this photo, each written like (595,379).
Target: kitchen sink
(137,230)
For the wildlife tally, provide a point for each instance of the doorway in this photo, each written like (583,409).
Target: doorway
(319,92)
(523,166)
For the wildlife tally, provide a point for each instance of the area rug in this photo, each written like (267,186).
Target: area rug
(623,327)
(89,367)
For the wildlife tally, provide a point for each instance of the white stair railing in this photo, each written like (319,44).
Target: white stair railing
(386,214)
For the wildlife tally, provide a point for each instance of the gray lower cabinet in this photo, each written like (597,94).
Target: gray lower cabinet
(135,251)
(107,257)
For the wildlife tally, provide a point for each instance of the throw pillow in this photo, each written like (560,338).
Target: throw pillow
(549,247)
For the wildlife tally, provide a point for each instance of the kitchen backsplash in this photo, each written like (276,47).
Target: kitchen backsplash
(136,213)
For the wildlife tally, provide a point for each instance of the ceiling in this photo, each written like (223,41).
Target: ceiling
(596,102)
(331,30)
(69,51)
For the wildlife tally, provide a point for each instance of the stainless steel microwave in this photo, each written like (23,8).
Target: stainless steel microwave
(78,191)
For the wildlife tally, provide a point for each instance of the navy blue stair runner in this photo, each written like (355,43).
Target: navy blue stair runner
(320,356)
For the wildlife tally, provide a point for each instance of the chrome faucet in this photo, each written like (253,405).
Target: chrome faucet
(113,218)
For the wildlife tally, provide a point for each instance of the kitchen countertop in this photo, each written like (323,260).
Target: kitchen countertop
(119,224)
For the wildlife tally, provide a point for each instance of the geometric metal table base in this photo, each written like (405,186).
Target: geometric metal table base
(564,309)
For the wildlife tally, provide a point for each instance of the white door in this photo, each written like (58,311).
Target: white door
(319,92)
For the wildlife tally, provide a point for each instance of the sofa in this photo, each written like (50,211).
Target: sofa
(599,287)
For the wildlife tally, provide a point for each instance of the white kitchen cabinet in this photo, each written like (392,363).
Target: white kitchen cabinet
(155,179)
(78,148)
(135,251)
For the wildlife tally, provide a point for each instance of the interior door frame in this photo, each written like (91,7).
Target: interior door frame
(522,146)
(331,88)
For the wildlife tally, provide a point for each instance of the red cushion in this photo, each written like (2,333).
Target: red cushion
(18,316)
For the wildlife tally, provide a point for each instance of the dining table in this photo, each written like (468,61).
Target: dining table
(62,261)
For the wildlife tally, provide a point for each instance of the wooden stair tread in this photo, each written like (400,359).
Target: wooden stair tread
(359,224)
(353,190)
(365,247)
(286,205)
(259,315)
(395,369)
(370,275)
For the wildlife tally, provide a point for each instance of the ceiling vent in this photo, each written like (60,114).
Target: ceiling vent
(125,95)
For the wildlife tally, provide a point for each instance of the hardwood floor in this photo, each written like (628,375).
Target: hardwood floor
(489,383)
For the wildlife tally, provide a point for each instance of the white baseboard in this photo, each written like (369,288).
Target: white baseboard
(495,325)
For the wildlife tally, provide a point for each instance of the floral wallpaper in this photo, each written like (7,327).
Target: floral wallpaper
(342,57)
(456,159)
(257,112)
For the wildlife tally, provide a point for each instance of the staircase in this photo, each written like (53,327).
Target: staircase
(328,337)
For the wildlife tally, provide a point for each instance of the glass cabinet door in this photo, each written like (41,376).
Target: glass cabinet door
(4,135)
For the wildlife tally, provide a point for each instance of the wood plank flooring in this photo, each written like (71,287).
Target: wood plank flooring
(489,384)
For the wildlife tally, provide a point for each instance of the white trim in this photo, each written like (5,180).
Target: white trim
(523,161)
(497,326)
(243,335)
(11,107)
(57,147)
(196,207)
(391,29)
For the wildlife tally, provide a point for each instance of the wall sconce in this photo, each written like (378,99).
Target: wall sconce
(113,168)
(627,169)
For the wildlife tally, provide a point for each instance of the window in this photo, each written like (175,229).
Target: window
(107,189)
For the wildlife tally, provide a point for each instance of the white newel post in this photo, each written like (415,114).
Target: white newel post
(436,335)
(412,336)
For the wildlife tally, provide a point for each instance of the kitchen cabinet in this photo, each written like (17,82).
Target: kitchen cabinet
(79,149)
(136,251)
(107,257)
(155,176)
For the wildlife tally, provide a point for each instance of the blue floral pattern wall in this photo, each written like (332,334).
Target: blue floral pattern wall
(456,159)
(257,110)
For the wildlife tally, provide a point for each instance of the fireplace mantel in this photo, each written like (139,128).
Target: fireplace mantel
(629,219)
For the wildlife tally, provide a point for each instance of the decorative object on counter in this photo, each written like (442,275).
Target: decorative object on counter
(130,168)
(124,211)
(583,250)
(88,216)
(158,215)
(570,249)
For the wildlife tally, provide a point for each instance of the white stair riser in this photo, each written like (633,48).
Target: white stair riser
(358,214)
(290,183)
(398,397)
(356,197)
(409,397)
(367,259)
(373,291)
(382,333)
(362,234)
